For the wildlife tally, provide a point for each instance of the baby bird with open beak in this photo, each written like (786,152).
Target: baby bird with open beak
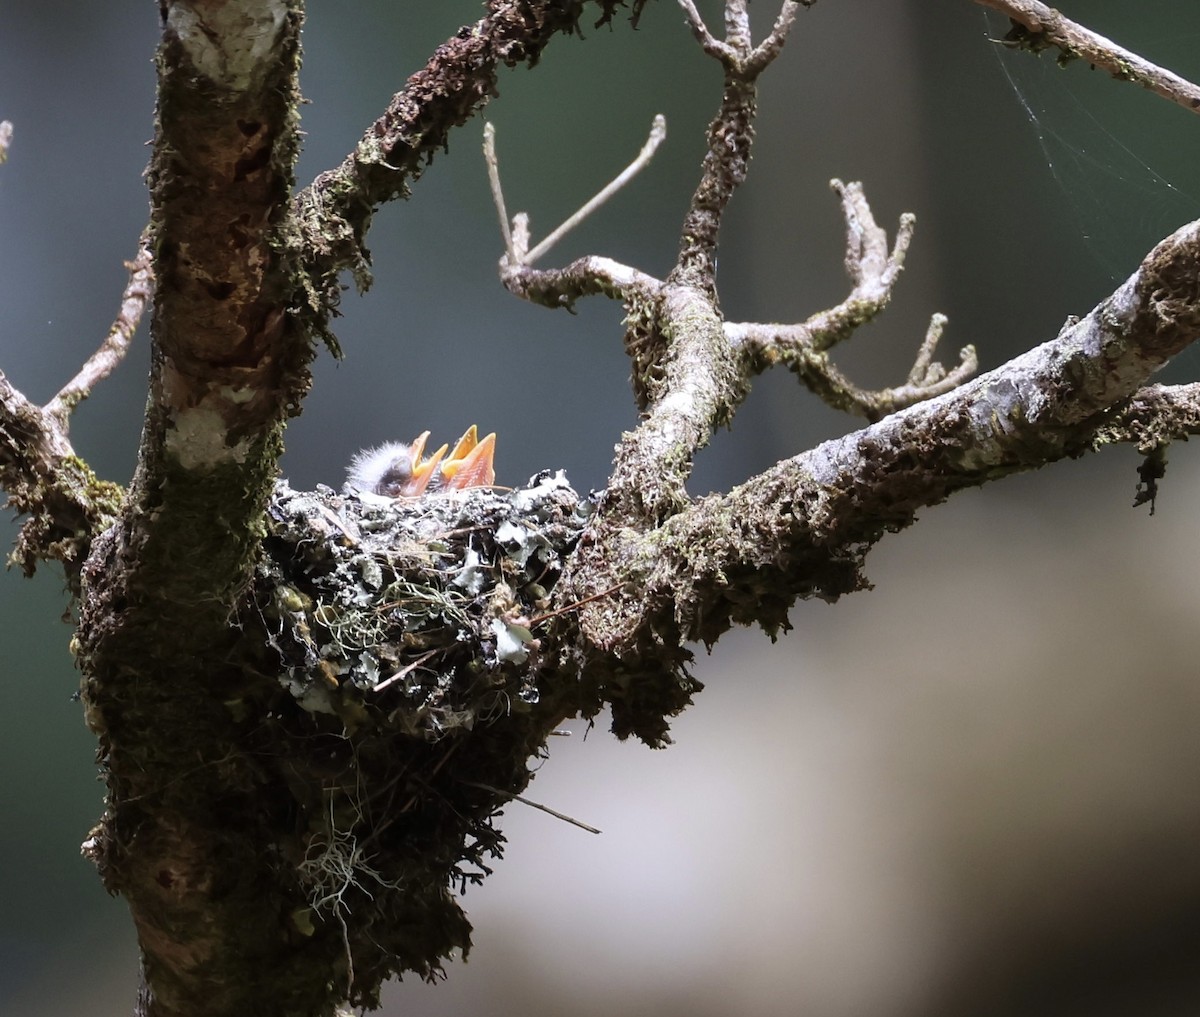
(396,470)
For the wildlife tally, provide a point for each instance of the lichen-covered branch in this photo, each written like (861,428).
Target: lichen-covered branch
(691,369)
(64,503)
(687,376)
(873,270)
(927,378)
(802,528)
(1037,26)
(229,364)
(179,672)
(1153,417)
(730,138)
(335,211)
(585,277)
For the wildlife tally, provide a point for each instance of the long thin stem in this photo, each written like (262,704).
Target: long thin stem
(658,133)
(493,168)
(112,350)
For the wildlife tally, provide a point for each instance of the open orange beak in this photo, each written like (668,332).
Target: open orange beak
(422,472)
(469,465)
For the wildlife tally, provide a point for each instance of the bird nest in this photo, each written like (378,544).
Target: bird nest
(407,705)
(415,615)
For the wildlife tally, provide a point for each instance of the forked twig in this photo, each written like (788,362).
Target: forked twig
(516,238)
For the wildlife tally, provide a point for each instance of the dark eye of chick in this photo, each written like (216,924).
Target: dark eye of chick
(391,484)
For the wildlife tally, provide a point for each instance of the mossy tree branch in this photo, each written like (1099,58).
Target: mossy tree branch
(335,210)
(245,284)
(802,528)
(685,570)
(64,503)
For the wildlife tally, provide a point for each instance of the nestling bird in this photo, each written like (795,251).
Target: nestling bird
(396,470)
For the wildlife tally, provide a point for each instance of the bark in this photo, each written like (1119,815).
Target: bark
(222,832)
(310,707)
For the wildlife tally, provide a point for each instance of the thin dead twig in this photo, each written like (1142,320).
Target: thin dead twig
(533,805)
(116,344)
(516,239)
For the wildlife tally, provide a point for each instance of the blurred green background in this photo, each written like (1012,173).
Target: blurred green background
(972,791)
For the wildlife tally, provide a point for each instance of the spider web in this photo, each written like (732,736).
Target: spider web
(1126,162)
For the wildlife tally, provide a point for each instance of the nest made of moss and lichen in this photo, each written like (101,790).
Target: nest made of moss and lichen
(414,614)
(408,703)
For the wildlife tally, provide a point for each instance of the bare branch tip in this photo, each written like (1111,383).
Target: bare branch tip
(772,45)
(135,298)
(708,42)
(904,236)
(658,133)
(493,170)
(696,22)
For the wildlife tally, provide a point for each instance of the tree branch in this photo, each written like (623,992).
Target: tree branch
(690,368)
(1041,26)
(730,137)
(208,828)
(66,504)
(873,270)
(802,528)
(229,363)
(115,345)
(1154,416)
(336,209)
